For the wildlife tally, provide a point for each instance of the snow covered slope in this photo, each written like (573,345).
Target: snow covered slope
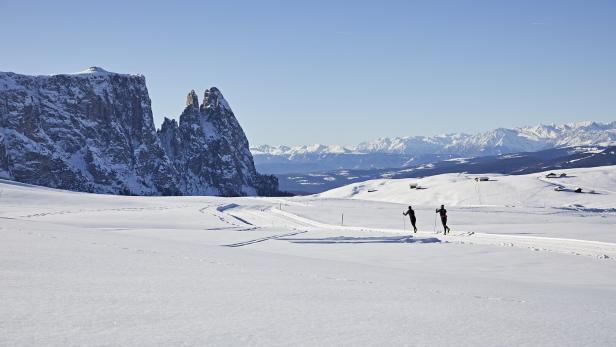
(92,269)
(516,163)
(532,190)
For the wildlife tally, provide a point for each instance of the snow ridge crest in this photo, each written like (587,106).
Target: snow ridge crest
(493,142)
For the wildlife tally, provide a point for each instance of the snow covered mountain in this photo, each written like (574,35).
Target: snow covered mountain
(303,149)
(93,131)
(512,164)
(210,150)
(404,151)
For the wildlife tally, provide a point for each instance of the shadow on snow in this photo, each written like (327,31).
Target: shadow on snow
(374,239)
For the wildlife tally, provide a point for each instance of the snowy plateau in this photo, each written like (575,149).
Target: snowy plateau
(529,262)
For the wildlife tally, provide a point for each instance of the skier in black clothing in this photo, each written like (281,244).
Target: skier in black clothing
(411,213)
(443,212)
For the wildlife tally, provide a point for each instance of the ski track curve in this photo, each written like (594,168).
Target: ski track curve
(594,249)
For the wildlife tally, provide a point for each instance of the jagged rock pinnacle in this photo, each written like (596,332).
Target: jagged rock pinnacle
(212,98)
(192,99)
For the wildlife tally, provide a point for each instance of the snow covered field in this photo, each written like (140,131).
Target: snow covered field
(524,265)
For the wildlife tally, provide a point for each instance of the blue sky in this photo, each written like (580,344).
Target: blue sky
(298,72)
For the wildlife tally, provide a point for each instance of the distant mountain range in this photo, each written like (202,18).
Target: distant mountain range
(517,163)
(414,150)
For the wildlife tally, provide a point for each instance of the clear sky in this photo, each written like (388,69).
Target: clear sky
(299,72)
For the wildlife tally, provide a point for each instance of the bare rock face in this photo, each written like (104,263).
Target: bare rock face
(210,151)
(94,132)
(192,99)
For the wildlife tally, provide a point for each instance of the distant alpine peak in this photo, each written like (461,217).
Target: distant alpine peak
(492,142)
(302,150)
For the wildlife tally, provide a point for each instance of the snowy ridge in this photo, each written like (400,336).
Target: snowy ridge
(303,149)
(462,190)
(97,71)
(498,141)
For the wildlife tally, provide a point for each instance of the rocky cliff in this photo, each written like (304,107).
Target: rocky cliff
(210,151)
(93,131)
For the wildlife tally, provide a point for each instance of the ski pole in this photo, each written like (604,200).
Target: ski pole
(434,224)
(403,223)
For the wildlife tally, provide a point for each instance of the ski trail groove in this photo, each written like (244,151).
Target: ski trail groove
(595,249)
(273,237)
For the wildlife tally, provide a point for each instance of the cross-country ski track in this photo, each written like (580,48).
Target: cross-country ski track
(524,265)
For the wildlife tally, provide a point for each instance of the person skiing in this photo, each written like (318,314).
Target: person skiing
(443,212)
(411,213)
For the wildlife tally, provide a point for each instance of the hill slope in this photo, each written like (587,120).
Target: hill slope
(531,190)
(134,271)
